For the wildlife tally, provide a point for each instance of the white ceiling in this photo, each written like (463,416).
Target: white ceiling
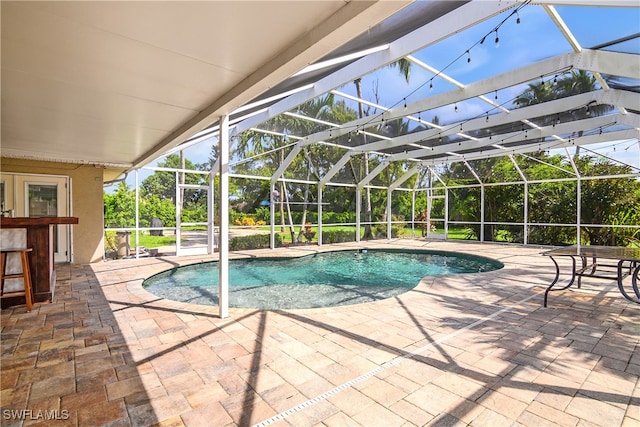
(118,83)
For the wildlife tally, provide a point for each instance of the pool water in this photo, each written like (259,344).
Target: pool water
(320,280)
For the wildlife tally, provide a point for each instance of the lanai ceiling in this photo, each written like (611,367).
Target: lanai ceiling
(120,83)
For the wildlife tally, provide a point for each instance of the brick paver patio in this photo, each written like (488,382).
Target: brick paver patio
(473,349)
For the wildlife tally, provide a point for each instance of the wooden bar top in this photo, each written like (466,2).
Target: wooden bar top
(41,262)
(39,221)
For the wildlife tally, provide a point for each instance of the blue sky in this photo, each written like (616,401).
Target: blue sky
(534,39)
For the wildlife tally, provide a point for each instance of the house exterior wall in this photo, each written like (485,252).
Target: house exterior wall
(86,201)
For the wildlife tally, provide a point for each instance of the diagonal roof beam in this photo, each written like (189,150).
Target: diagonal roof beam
(398,182)
(615,63)
(491,152)
(566,32)
(285,164)
(453,81)
(532,134)
(335,169)
(590,3)
(375,172)
(610,97)
(465,16)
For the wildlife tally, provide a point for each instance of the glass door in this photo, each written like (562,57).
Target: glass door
(44,196)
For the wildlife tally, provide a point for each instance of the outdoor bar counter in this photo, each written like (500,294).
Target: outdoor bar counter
(39,237)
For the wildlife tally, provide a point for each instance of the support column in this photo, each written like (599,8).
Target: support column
(137,216)
(389,195)
(223,238)
(272,209)
(319,214)
(178,213)
(358,210)
(482,209)
(211,226)
(413,213)
(526,214)
(578,211)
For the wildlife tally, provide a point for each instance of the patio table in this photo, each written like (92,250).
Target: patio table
(594,257)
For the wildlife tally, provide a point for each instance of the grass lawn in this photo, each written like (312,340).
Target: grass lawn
(149,241)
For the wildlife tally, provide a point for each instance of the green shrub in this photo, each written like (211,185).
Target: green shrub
(338,236)
(263,214)
(380,231)
(254,241)
(338,217)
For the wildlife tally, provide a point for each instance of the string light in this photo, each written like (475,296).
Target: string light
(468,52)
(456,108)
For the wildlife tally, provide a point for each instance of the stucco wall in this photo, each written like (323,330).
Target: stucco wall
(86,202)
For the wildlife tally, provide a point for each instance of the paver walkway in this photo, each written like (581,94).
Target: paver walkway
(469,349)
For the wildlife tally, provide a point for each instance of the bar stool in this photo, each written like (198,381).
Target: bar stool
(25,275)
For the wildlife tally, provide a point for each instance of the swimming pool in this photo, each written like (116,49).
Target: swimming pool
(324,279)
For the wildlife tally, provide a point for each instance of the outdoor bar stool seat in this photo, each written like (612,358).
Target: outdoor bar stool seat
(25,275)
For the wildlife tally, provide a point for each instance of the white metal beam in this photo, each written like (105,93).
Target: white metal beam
(610,97)
(491,152)
(335,169)
(455,21)
(375,172)
(398,182)
(615,63)
(531,134)
(223,237)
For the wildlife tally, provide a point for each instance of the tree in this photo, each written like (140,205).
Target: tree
(269,150)
(404,67)
(608,201)
(120,207)
(163,183)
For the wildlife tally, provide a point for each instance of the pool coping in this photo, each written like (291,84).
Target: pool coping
(165,263)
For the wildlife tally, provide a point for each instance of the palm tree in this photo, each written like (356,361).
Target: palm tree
(404,67)
(535,94)
(254,142)
(577,82)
